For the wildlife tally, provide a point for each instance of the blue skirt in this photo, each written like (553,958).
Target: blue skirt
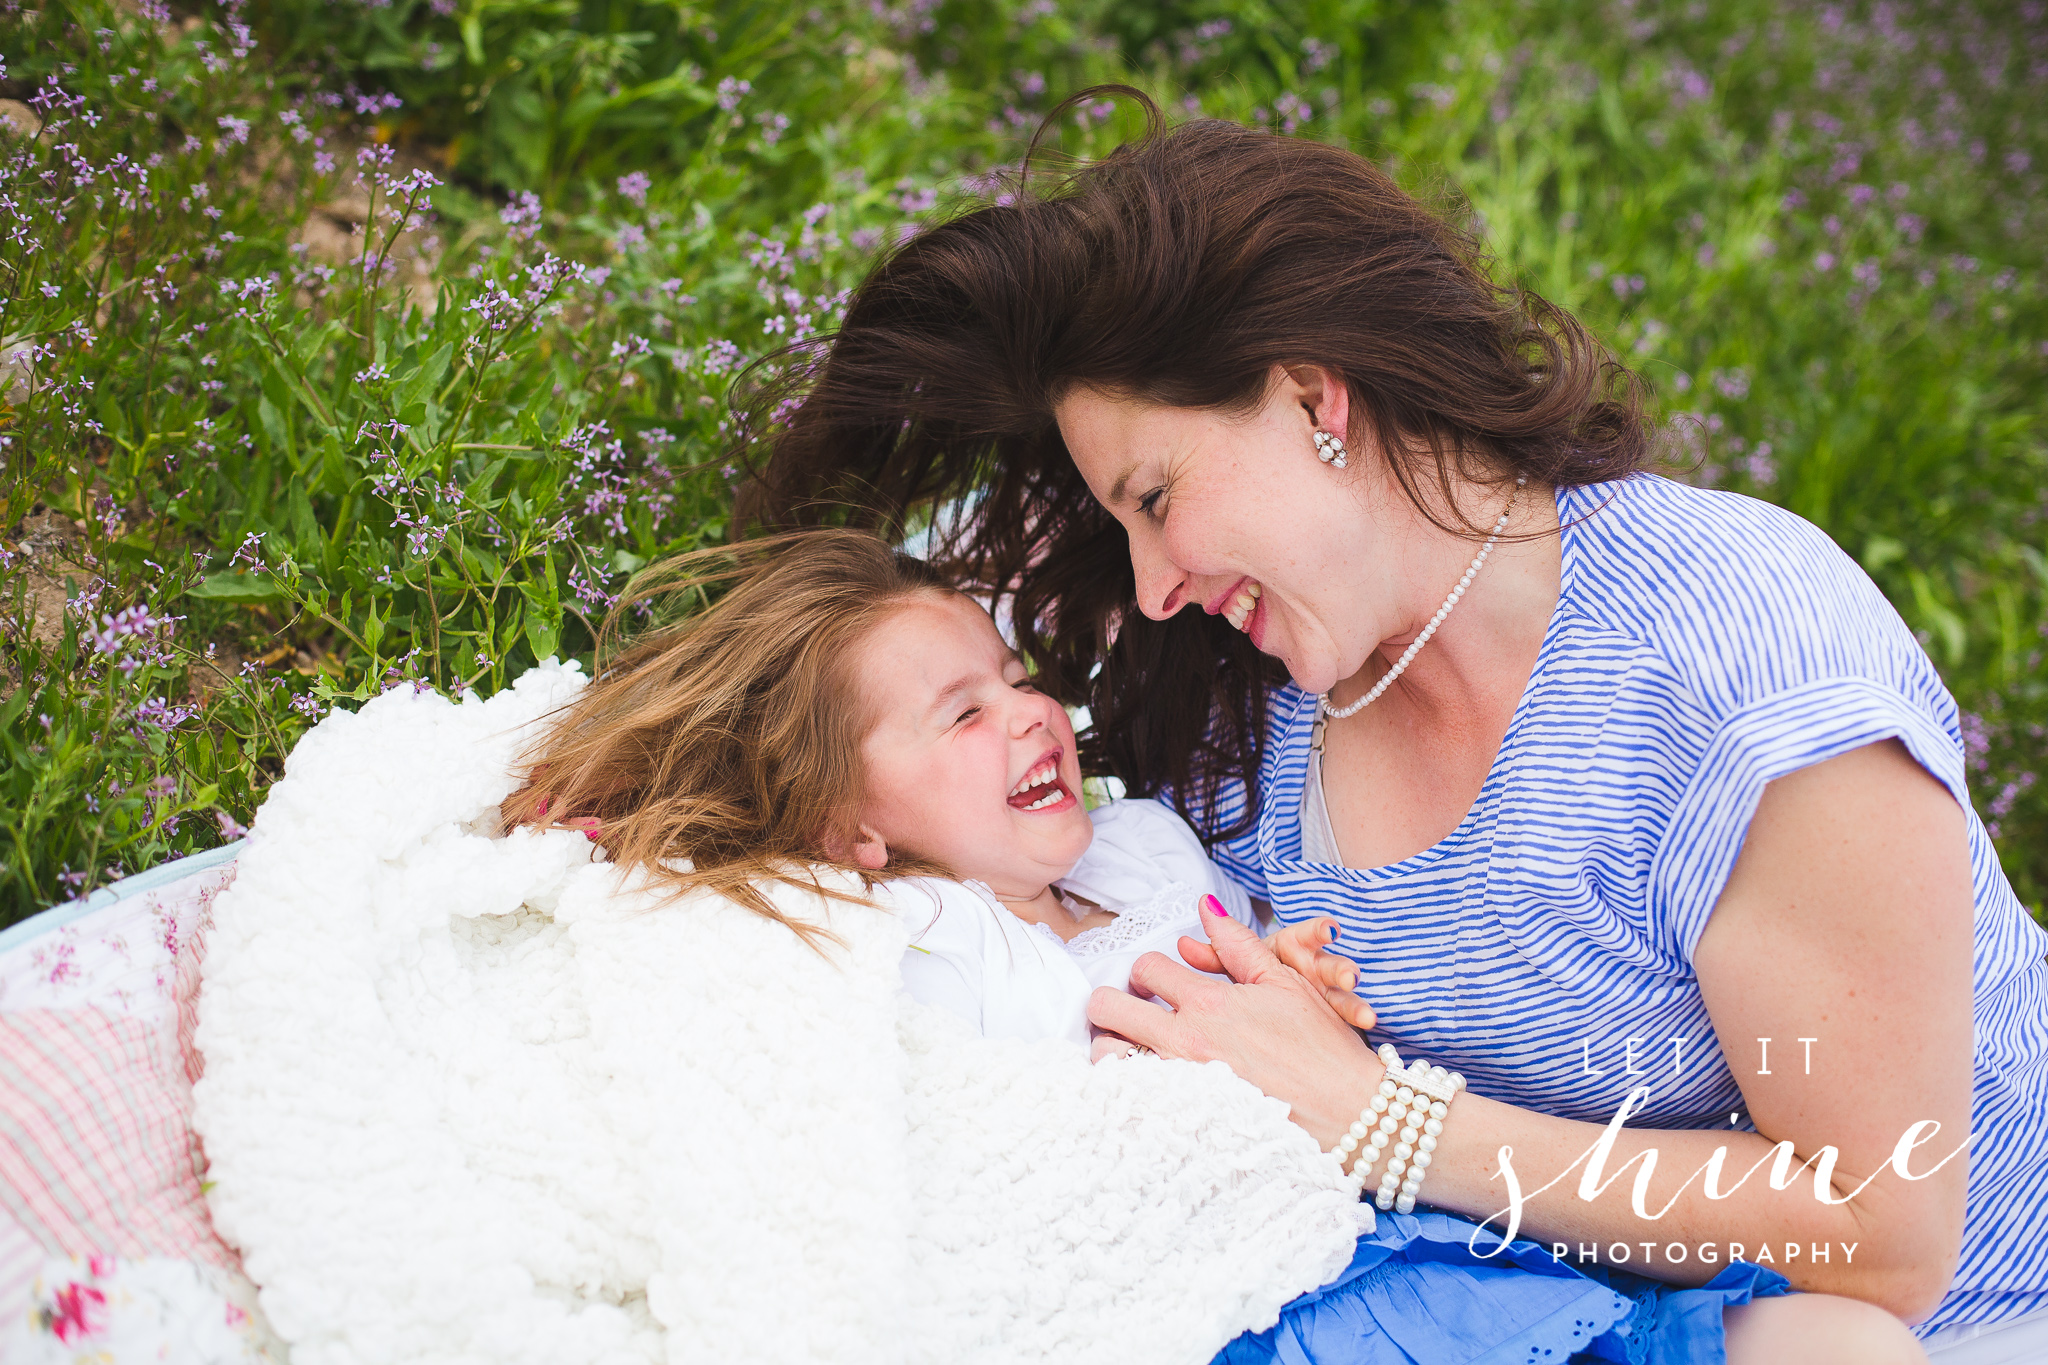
(1416,1294)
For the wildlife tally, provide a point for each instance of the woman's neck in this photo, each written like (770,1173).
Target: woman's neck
(1399,776)
(1487,643)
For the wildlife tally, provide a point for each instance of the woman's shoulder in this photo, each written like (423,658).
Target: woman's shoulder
(1741,597)
(1647,538)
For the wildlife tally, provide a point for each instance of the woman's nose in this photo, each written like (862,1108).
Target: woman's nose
(1162,584)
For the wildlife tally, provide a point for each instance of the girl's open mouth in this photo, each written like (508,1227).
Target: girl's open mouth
(1042,788)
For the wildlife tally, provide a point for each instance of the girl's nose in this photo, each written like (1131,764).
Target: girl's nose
(1029,714)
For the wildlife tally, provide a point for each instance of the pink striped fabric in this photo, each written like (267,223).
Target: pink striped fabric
(96,1149)
(185,991)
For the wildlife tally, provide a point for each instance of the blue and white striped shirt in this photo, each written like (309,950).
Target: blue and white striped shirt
(1703,644)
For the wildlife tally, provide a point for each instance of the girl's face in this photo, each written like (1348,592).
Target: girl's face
(1237,516)
(967,764)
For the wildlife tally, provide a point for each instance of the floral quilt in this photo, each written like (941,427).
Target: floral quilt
(107,1252)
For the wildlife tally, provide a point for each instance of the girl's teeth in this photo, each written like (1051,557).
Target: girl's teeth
(1037,777)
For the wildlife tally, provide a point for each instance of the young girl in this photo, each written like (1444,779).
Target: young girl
(969,768)
(841,704)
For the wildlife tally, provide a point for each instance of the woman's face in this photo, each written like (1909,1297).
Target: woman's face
(1237,516)
(967,764)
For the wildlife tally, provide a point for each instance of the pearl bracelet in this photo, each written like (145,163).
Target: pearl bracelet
(1407,1115)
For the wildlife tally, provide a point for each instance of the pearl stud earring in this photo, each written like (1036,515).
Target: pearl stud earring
(1330,450)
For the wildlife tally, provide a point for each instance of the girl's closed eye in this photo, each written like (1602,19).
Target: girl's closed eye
(1149,504)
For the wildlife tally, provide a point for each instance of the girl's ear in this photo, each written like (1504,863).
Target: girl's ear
(866,848)
(870,850)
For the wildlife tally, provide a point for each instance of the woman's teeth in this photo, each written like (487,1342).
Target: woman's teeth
(1241,606)
(1050,798)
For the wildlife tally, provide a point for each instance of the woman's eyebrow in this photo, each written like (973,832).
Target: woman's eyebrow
(1116,490)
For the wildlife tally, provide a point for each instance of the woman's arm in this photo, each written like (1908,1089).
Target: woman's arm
(1847,919)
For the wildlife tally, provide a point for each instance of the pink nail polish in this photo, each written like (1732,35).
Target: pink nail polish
(1215,907)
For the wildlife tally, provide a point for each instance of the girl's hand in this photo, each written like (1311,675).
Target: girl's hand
(1269,1023)
(1303,947)
(1300,946)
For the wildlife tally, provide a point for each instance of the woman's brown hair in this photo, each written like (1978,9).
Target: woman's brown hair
(723,749)
(1181,270)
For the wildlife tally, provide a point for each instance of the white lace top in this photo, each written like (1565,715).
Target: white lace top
(1014,979)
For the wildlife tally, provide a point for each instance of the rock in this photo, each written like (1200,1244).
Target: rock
(18,119)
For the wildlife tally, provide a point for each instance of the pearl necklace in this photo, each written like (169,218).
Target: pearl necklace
(1408,654)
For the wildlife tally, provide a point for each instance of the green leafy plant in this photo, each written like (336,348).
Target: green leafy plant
(346,346)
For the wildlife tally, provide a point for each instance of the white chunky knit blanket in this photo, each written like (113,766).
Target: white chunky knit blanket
(468,1099)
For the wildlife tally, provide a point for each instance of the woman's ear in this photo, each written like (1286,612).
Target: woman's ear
(1322,395)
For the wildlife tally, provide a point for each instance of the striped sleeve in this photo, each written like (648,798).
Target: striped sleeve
(1775,736)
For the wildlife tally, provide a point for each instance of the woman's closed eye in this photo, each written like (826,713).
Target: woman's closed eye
(1149,504)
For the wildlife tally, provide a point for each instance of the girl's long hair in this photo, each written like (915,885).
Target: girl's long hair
(1180,270)
(722,748)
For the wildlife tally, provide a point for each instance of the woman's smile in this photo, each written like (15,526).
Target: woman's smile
(1240,605)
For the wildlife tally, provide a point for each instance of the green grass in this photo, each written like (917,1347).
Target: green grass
(311,464)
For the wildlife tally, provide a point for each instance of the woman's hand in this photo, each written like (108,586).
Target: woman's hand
(1270,1024)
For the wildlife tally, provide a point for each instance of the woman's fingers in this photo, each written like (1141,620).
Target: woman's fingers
(1156,974)
(1240,952)
(1274,1027)
(1132,1020)
(1109,1045)
(1198,954)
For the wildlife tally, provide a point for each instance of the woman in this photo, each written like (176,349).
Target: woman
(1626,794)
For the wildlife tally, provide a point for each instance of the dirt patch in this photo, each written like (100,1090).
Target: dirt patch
(45,542)
(207,678)
(334,233)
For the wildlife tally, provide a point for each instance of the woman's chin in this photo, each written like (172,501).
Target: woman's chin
(1310,678)
(1315,676)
